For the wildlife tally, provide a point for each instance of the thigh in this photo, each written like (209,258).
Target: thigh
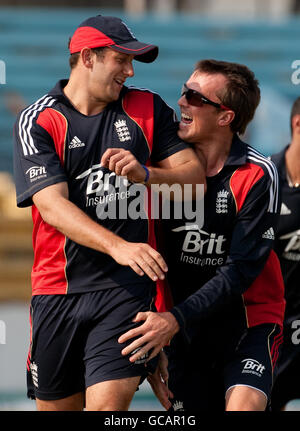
(72,403)
(111,395)
(54,366)
(252,363)
(117,308)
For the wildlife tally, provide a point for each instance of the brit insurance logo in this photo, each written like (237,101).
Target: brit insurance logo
(292,248)
(252,366)
(36,173)
(200,247)
(122,130)
(115,197)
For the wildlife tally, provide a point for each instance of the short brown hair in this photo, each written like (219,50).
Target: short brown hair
(73,59)
(241,94)
(295,111)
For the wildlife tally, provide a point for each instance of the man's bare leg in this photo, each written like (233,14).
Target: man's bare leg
(111,395)
(72,403)
(245,398)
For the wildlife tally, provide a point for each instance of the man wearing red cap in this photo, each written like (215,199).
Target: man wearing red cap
(77,149)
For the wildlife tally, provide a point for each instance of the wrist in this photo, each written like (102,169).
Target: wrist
(147,174)
(174,322)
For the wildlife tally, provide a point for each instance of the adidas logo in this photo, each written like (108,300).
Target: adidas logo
(269,234)
(76,143)
(285,210)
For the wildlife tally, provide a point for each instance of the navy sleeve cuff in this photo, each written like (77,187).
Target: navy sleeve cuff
(178,316)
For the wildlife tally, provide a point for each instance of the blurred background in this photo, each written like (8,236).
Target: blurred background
(263,34)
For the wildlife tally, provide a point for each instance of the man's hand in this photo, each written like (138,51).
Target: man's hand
(141,257)
(123,163)
(155,333)
(159,382)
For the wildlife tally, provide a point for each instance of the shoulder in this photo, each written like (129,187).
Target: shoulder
(257,175)
(144,94)
(29,114)
(258,161)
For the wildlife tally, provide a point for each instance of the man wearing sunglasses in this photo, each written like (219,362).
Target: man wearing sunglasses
(225,324)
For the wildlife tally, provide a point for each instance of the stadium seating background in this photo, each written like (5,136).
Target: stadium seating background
(34,48)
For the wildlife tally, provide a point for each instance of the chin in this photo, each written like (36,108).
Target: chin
(183,136)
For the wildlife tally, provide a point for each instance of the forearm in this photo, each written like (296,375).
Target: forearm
(71,221)
(190,172)
(230,282)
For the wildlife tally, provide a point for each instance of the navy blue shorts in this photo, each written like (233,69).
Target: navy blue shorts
(200,373)
(74,340)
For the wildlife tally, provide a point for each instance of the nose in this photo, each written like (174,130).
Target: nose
(181,101)
(129,70)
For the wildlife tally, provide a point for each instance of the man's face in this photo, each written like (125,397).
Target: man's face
(109,73)
(201,123)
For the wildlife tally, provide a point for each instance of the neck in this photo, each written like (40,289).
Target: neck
(215,153)
(292,157)
(77,92)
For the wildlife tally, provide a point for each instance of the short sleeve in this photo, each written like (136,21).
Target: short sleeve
(166,141)
(36,163)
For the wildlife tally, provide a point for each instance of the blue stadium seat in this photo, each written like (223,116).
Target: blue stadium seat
(34,47)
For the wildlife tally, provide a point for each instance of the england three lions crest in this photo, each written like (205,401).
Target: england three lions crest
(122,130)
(222,202)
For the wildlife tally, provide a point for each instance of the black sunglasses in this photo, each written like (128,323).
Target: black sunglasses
(195,98)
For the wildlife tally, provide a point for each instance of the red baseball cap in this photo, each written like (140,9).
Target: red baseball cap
(100,31)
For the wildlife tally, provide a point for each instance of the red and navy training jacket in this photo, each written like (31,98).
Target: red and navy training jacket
(53,143)
(230,258)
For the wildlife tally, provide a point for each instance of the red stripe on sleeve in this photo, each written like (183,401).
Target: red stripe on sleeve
(138,105)
(242,180)
(56,125)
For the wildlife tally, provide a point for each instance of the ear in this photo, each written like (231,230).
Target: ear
(86,55)
(296,124)
(226,118)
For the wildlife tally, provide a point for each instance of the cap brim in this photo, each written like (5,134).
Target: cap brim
(142,52)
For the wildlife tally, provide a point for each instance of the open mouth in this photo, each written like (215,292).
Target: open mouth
(120,82)
(186,119)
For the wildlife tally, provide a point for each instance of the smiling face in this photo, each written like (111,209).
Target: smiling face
(108,75)
(201,123)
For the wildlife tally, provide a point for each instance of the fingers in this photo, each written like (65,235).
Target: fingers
(160,390)
(107,155)
(132,333)
(163,366)
(146,260)
(123,163)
